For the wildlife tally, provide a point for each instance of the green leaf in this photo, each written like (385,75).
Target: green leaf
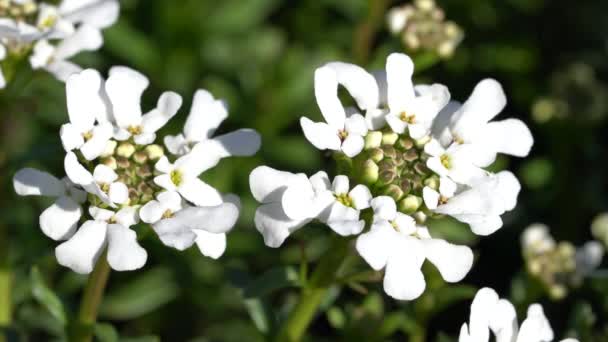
(451,230)
(260,314)
(272,280)
(150,291)
(46,297)
(106,333)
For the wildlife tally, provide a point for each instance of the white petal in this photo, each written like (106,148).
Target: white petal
(375,245)
(118,193)
(211,245)
(166,108)
(93,148)
(403,279)
(482,311)
(83,100)
(170,200)
(355,124)
(205,116)
(124,88)
(340,185)
(326,93)
(165,182)
(144,139)
(431,198)
(151,212)
(201,158)
(483,225)
(361,197)
(104,174)
(298,197)
(86,38)
(76,172)
(360,84)
(100,14)
(60,220)
(62,69)
(176,144)
(419,131)
(80,253)
(217,219)
(375,118)
(174,233)
(510,136)
(435,165)
(536,326)
(508,189)
(199,192)
(503,321)
(163,165)
(352,145)
(267,184)
(320,181)
(407,226)
(434,148)
(320,134)
(441,125)
(71,137)
(274,225)
(384,207)
(399,72)
(124,253)
(242,142)
(452,261)
(447,187)
(346,227)
(32,182)
(396,124)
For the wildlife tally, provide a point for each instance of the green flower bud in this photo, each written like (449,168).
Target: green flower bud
(140,157)
(370,172)
(386,177)
(389,152)
(410,155)
(109,149)
(144,171)
(373,139)
(432,182)
(410,204)
(154,152)
(125,150)
(420,217)
(405,143)
(389,138)
(421,169)
(133,195)
(406,186)
(110,162)
(557,291)
(599,228)
(393,191)
(122,163)
(422,141)
(376,154)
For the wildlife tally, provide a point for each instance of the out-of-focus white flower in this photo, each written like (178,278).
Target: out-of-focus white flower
(341,132)
(470,124)
(490,313)
(397,243)
(205,117)
(111,155)
(49,34)
(60,220)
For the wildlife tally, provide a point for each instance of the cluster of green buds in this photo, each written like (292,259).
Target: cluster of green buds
(554,267)
(393,165)
(26,11)
(134,165)
(422,26)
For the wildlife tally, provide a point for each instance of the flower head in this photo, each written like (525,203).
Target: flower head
(396,154)
(114,167)
(48,34)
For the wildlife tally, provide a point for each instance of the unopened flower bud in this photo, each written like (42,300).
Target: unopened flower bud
(144,171)
(425,5)
(389,151)
(410,155)
(599,228)
(421,169)
(373,139)
(393,191)
(122,163)
(370,172)
(154,152)
(422,141)
(386,177)
(140,157)
(389,138)
(125,150)
(387,165)
(376,154)
(432,182)
(133,195)
(557,291)
(406,186)
(109,149)
(410,204)
(405,143)
(110,162)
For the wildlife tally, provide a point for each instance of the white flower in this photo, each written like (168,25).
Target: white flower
(205,117)
(490,313)
(433,198)
(101,183)
(397,244)
(454,162)
(588,258)
(470,124)
(60,220)
(89,130)
(287,203)
(481,205)
(414,109)
(124,88)
(108,228)
(2,57)
(536,238)
(341,206)
(180,226)
(182,176)
(341,132)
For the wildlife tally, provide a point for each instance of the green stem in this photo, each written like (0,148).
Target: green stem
(313,294)
(6,280)
(91,299)
(364,35)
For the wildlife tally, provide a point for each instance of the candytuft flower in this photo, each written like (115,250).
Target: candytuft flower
(408,163)
(490,313)
(117,171)
(48,34)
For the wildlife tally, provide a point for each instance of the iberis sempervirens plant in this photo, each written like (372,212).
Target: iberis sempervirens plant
(404,154)
(48,33)
(118,174)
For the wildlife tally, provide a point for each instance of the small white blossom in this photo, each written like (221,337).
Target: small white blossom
(341,132)
(396,243)
(490,313)
(454,162)
(433,198)
(205,117)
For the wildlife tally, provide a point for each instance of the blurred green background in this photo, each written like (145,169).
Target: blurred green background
(260,55)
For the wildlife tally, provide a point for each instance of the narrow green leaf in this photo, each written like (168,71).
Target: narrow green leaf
(46,297)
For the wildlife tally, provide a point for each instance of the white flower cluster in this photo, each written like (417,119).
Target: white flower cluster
(408,153)
(49,34)
(558,266)
(491,313)
(114,168)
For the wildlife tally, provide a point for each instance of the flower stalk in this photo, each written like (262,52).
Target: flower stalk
(6,279)
(314,292)
(91,300)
